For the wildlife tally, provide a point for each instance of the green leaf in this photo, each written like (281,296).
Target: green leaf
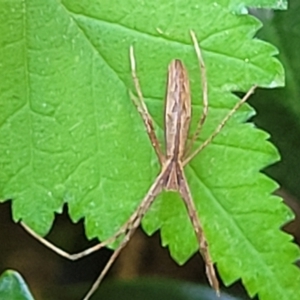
(70,134)
(13,286)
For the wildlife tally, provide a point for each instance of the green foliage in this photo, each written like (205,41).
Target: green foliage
(283,105)
(13,287)
(70,134)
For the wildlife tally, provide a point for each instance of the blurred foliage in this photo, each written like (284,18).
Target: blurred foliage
(13,287)
(278,110)
(144,289)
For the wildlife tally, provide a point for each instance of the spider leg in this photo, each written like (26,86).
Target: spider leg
(220,126)
(204,114)
(203,245)
(132,224)
(143,111)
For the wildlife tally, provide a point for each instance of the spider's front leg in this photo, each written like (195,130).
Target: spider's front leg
(204,114)
(220,126)
(142,109)
(189,156)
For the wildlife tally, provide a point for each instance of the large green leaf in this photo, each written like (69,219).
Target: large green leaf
(13,287)
(70,134)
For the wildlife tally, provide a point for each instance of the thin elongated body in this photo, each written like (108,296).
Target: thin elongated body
(177,124)
(177,110)
(177,121)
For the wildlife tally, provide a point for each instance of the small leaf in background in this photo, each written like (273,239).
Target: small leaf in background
(13,287)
